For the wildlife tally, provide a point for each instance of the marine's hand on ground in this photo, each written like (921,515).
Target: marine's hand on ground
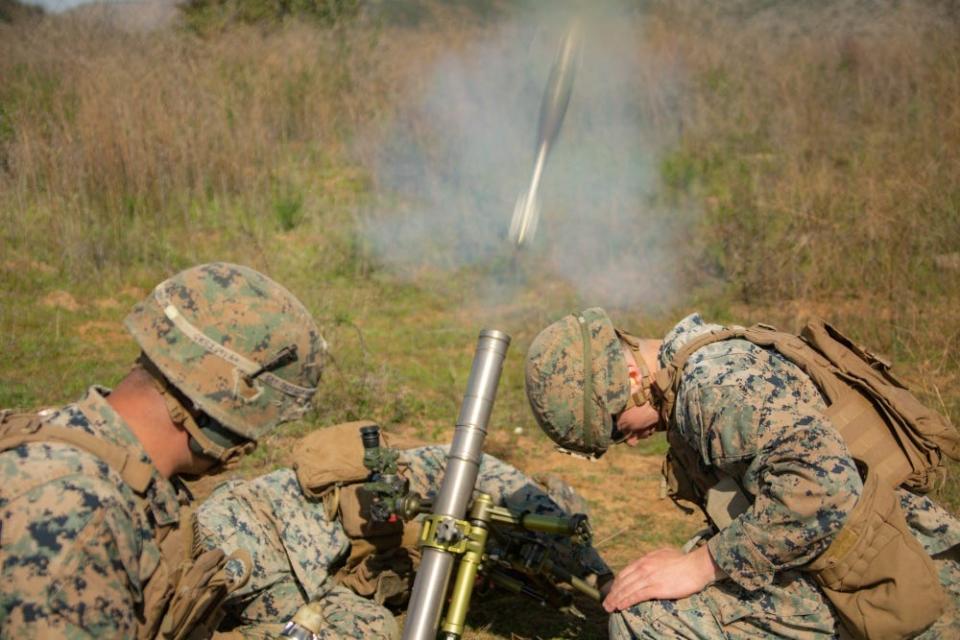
(665,574)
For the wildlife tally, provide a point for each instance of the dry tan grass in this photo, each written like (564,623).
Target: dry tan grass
(807,136)
(824,143)
(113,137)
(821,144)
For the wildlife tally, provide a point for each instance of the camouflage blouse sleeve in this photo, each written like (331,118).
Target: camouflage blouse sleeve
(761,423)
(70,556)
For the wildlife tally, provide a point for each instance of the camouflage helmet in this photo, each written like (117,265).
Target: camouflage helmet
(576,379)
(240,347)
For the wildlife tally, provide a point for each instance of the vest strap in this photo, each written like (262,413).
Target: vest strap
(135,473)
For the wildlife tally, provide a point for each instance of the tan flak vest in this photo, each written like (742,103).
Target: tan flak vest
(182,597)
(875,573)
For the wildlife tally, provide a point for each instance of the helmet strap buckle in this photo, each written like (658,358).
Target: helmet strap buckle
(199,442)
(645,393)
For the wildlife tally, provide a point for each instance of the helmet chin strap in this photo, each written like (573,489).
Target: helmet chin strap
(200,442)
(229,457)
(648,385)
(643,395)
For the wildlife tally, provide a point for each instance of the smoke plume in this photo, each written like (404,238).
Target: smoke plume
(455,160)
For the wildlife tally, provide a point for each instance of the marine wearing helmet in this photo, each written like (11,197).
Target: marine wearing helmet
(232,348)
(588,383)
(90,506)
(752,443)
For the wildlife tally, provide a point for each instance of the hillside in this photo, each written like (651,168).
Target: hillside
(755,161)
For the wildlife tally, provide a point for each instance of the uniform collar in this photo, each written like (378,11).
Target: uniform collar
(161,495)
(684,331)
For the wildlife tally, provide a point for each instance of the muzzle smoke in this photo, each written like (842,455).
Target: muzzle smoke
(450,170)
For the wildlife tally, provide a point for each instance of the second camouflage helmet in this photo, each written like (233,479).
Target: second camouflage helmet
(576,380)
(238,345)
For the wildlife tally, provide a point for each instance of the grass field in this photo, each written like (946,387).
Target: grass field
(751,160)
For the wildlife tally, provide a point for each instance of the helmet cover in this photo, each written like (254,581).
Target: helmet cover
(237,344)
(576,381)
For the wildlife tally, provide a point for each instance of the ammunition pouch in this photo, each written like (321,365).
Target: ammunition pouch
(330,458)
(383,571)
(195,610)
(877,576)
(383,555)
(685,478)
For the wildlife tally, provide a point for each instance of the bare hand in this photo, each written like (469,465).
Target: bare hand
(664,574)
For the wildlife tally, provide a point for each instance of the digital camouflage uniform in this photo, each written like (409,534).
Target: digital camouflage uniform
(76,544)
(295,562)
(89,542)
(756,417)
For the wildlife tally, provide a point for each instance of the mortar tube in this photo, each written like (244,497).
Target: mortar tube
(459,479)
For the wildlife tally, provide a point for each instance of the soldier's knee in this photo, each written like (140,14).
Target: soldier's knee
(381,625)
(391,630)
(617,627)
(562,493)
(370,620)
(661,620)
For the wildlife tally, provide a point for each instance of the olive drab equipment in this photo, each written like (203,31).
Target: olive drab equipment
(875,573)
(181,598)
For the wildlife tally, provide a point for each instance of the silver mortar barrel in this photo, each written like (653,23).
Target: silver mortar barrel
(463,464)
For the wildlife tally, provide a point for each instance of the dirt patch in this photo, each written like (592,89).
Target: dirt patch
(102,333)
(60,300)
(107,304)
(948,261)
(135,293)
(27,264)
